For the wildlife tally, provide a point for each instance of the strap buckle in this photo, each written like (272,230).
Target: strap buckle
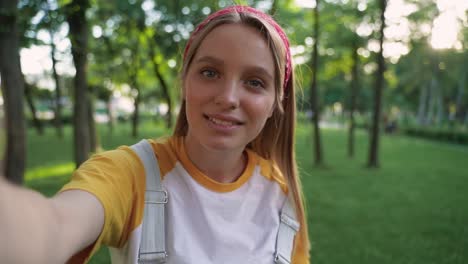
(151,257)
(156,197)
(289,221)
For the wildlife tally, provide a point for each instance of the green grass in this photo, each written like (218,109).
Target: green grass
(414,209)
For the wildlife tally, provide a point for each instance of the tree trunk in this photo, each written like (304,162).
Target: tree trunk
(36,122)
(435,93)
(422,108)
(314,91)
(461,93)
(58,92)
(162,82)
(440,105)
(133,69)
(110,115)
(79,38)
(109,102)
(354,93)
(136,111)
(373,161)
(432,101)
(13,92)
(93,134)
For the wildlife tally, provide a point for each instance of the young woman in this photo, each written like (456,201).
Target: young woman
(228,168)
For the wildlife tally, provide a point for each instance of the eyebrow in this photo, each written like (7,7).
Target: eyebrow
(261,71)
(210,59)
(257,69)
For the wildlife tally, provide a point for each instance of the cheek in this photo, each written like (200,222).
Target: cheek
(188,83)
(188,90)
(263,109)
(193,96)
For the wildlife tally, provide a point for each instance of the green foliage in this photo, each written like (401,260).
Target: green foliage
(29,30)
(122,34)
(64,2)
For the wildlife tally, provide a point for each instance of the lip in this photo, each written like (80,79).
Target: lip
(224,118)
(225,124)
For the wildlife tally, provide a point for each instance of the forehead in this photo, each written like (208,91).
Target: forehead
(237,44)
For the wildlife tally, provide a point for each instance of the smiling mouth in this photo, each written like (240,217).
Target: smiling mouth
(222,122)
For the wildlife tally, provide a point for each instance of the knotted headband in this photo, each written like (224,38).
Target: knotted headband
(250,10)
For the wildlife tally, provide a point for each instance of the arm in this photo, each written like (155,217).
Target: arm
(36,229)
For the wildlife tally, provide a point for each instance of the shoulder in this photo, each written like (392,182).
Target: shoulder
(270,170)
(166,150)
(108,169)
(122,159)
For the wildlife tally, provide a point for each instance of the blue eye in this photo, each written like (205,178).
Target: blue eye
(209,73)
(255,83)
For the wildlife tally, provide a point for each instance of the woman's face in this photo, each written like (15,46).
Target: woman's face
(229,88)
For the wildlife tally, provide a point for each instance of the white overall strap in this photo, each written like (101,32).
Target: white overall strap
(153,245)
(286,232)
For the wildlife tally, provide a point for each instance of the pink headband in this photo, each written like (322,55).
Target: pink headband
(250,10)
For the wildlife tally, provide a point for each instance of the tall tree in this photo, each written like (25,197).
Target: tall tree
(29,99)
(353,97)
(94,143)
(422,106)
(373,161)
(104,86)
(162,82)
(52,20)
(461,84)
(460,94)
(58,90)
(40,16)
(318,151)
(13,91)
(133,71)
(76,17)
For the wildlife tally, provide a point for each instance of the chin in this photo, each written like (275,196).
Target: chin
(222,145)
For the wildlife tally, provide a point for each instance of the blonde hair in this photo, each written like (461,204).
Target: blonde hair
(276,141)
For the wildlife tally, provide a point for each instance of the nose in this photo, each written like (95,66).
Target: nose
(228,96)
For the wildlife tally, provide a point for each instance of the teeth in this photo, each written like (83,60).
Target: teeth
(221,122)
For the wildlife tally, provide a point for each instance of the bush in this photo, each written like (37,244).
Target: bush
(446,135)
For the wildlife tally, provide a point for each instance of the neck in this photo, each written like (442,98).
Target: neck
(220,166)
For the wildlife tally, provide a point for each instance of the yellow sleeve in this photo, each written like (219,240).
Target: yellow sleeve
(301,251)
(117,180)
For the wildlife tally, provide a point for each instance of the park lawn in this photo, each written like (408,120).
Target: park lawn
(414,209)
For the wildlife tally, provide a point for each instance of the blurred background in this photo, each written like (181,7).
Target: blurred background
(382,136)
